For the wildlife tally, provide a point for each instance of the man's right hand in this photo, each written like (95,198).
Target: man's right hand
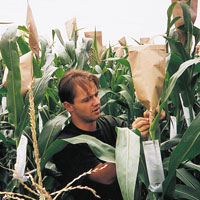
(143,125)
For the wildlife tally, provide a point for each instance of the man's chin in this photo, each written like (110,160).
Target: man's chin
(96,117)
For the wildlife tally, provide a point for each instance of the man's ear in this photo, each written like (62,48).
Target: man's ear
(68,106)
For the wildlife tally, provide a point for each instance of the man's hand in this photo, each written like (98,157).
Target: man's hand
(143,125)
(162,114)
(104,173)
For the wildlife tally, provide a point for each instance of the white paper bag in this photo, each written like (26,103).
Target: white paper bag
(154,165)
(21,159)
(173,127)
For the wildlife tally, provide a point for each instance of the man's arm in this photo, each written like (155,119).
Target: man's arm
(104,173)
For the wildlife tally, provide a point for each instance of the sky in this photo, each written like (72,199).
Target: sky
(116,19)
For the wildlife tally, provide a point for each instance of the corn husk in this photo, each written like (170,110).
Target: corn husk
(91,35)
(177,11)
(33,36)
(70,25)
(26,70)
(148,72)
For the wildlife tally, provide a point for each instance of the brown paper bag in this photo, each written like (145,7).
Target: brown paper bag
(177,11)
(148,72)
(144,40)
(91,35)
(33,36)
(122,41)
(70,25)
(119,50)
(26,69)
(197,52)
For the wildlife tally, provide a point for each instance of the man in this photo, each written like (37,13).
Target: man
(78,91)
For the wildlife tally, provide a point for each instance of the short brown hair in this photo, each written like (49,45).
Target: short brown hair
(67,84)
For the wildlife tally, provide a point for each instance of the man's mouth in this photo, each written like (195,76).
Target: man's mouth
(96,110)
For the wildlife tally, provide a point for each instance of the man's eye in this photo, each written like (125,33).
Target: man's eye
(86,100)
(96,95)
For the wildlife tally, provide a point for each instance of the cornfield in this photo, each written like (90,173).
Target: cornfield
(32,114)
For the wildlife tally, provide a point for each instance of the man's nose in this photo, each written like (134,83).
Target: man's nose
(96,100)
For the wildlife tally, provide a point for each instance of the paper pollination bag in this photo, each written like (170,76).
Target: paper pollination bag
(177,11)
(144,40)
(197,52)
(119,50)
(26,69)
(91,35)
(33,36)
(70,25)
(122,41)
(148,72)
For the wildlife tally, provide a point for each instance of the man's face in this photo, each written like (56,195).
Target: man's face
(86,106)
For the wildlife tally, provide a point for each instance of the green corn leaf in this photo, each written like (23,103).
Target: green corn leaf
(70,49)
(169,89)
(109,102)
(187,24)
(185,192)
(131,86)
(174,21)
(191,165)
(59,73)
(142,170)
(177,48)
(23,45)
(44,45)
(169,15)
(187,149)
(127,161)
(168,144)
(3,138)
(176,75)
(124,62)
(126,94)
(187,178)
(57,32)
(196,33)
(102,81)
(102,150)
(103,92)
(49,132)
(39,89)
(119,60)
(82,57)
(55,147)
(50,92)
(63,56)
(9,51)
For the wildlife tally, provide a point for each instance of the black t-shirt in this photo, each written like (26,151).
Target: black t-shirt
(74,160)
